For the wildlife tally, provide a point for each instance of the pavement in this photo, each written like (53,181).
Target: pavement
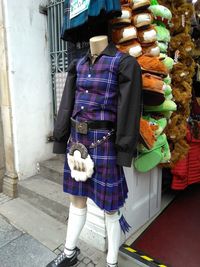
(31,238)
(19,249)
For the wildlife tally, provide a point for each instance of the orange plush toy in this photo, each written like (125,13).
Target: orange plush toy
(133,48)
(147,136)
(153,89)
(153,65)
(123,34)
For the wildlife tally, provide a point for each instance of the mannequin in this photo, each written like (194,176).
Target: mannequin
(91,97)
(97,45)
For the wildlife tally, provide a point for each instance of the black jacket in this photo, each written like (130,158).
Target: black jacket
(128,112)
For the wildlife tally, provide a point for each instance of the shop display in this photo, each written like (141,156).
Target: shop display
(153,36)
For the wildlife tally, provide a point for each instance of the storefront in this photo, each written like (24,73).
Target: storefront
(165,40)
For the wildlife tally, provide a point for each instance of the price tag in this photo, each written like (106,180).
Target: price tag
(183,20)
(176,56)
(77,7)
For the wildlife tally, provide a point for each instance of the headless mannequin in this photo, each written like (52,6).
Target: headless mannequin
(78,207)
(97,45)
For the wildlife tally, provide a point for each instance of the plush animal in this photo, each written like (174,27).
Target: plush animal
(147,35)
(140,4)
(147,136)
(133,48)
(142,19)
(153,89)
(125,17)
(176,128)
(163,34)
(123,34)
(161,13)
(151,50)
(168,61)
(153,65)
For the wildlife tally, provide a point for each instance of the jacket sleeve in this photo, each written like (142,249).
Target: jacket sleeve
(129,109)
(62,125)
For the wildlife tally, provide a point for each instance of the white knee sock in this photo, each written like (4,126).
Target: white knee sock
(114,235)
(76,221)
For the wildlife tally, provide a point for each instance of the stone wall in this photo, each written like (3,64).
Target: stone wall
(1,154)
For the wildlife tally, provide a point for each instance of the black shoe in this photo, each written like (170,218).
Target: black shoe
(111,265)
(63,261)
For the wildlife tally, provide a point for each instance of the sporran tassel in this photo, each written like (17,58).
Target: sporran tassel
(124,224)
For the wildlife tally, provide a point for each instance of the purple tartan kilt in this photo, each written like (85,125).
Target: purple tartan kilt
(107,187)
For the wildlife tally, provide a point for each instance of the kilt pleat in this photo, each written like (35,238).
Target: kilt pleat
(107,187)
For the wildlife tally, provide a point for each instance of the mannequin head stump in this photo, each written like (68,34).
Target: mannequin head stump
(98,44)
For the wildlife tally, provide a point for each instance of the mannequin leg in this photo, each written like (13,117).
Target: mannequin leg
(114,235)
(76,221)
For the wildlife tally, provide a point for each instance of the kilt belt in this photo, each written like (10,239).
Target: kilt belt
(84,126)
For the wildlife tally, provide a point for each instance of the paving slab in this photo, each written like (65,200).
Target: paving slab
(25,251)
(47,230)
(7,232)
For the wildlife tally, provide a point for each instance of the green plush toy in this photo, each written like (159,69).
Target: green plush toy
(167,114)
(168,80)
(169,97)
(160,123)
(163,34)
(160,13)
(167,105)
(167,90)
(163,47)
(149,159)
(168,61)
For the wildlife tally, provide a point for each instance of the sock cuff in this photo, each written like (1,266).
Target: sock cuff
(77,211)
(112,217)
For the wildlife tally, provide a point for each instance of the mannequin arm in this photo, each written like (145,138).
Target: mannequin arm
(62,126)
(129,110)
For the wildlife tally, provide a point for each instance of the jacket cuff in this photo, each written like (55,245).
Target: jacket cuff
(124,159)
(59,147)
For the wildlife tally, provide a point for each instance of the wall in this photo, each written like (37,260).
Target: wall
(1,154)
(30,83)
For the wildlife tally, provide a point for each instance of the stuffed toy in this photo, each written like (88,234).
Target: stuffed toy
(153,65)
(176,129)
(179,150)
(183,43)
(163,47)
(146,36)
(161,13)
(168,61)
(151,50)
(142,19)
(182,97)
(153,89)
(167,105)
(147,136)
(133,48)
(148,159)
(140,4)
(123,34)
(158,126)
(163,34)
(125,17)
(168,79)
(180,73)
(167,89)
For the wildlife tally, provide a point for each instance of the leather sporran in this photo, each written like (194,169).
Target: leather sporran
(80,162)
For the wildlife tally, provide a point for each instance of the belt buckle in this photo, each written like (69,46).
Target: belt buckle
(82,127)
